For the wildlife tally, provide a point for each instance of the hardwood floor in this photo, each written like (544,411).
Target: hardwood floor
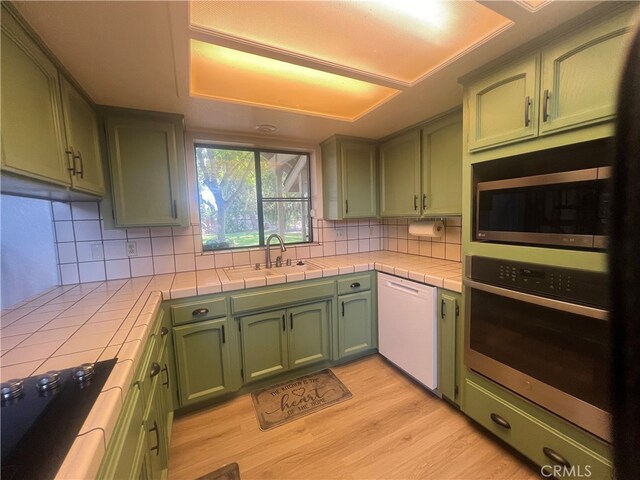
(390,429)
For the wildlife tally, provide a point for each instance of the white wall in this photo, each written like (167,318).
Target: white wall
(28,255)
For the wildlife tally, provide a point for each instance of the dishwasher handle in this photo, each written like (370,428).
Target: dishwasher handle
(401,287)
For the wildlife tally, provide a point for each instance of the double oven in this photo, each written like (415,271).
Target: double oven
(538,329)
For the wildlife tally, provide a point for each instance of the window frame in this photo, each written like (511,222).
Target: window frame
(259,197)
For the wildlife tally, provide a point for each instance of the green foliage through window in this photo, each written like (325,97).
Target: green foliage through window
(245,195)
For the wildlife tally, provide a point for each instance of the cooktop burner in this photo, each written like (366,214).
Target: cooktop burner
(42,415)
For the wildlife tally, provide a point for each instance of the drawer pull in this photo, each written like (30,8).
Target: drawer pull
(556,457)
(164,331)
(355,285)
(155,370)
(498,420)
(198,312)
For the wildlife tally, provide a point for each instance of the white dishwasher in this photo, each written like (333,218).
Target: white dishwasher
(407,327)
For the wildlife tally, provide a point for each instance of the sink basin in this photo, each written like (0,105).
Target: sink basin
(249,271)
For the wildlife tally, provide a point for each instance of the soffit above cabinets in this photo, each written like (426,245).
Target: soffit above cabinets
(138,55)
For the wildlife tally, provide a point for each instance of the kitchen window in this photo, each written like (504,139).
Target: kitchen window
(247,194)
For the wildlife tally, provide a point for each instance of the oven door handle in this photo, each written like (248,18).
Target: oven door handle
(583,310)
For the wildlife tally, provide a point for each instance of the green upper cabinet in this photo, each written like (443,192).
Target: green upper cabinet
(442,167)
(83,142)
(580,75)
(147,166)
(400,175)
(32,126)
(49,130)
(562,84)
(204,360)
(503,105)
(349,178)
(275,342)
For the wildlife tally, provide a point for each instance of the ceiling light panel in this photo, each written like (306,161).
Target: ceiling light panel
(397,40)
(226,74)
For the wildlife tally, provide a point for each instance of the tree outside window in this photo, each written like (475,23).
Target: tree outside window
(247,194)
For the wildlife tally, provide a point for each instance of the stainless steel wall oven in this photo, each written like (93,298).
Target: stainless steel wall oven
(542,332)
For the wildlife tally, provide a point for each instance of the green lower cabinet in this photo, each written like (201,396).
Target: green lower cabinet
(155,425)
(449,351)
(275,342)
(355,324)
(308,334)
(126,455)
(204,360)
(560,449)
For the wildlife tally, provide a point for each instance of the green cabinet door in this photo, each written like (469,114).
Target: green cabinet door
(147,165)
(442,167)
(203,360)
(155,426)
(355,324)
(32,131)
(308,334)
(359,185)
(400,175)
(448,352)
(580,75)
(265,350)
(349,178)
(81,128)
(503,106)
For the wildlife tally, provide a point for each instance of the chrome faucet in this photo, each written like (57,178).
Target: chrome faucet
(268,250)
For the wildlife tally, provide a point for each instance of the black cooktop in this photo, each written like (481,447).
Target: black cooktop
(39,427)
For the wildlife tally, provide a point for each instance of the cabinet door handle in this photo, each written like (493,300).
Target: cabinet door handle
(155,370)
(355,285)
(556,457)
(284,323)
(443,309)
(198,312)
(527,105)
(155,429)
(164,331)
(346,203)
(81,171)
(498,420)
(166,371)
(424,201)
(224,337)
(72,158)
(415,202)
(545,106)
(291,320)
(174,208)
(343,309)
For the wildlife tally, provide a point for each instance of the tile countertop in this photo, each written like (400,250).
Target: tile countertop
(73,324)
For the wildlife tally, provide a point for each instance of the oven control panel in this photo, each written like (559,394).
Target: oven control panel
(573,285)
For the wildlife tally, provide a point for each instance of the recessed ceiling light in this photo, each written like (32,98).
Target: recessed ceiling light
(231,75)
(266,128)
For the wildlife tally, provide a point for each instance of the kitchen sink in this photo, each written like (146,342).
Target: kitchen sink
(249,271)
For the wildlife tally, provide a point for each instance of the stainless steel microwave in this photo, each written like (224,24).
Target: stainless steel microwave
(568,209)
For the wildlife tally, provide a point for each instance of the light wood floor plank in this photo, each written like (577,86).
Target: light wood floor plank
(391,429)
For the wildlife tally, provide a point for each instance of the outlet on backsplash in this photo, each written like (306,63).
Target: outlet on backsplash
(340,233)
(132,249)
(96,251)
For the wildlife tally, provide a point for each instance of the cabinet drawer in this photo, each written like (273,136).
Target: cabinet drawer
(532,437)
(354,284)
(198,311)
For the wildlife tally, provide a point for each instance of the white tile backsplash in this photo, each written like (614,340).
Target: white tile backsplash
(87,252)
